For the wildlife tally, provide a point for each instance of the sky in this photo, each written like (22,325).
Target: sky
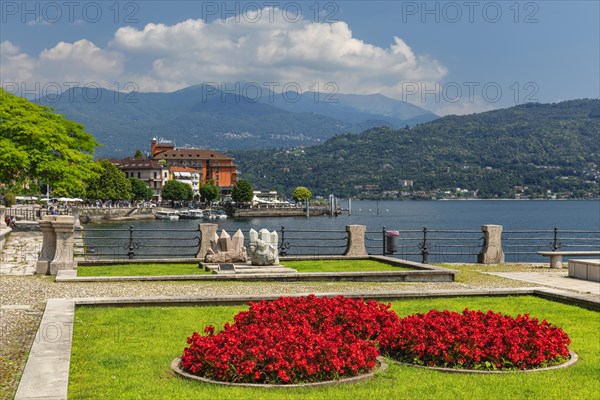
(449,57)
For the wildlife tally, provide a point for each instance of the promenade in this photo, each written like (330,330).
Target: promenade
(23,295)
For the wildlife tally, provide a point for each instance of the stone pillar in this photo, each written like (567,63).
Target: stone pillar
(48,245)
(77,223)
(63,257)
(491,252)
(207,232)
(356,240)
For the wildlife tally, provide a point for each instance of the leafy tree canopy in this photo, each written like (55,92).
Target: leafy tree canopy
(139,190)
(209,192)
(177,191)
(301,194)
(111,184)
(242,192)
(38,146)
(138,154)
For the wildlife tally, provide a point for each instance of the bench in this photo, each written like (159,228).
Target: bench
(556,256)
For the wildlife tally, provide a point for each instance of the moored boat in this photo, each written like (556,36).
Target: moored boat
(191,214)
(167,214)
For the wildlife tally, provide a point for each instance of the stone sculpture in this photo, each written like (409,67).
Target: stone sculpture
(225,249)
(263,247)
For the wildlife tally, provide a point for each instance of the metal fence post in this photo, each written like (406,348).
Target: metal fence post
(282,249)
(383,241)
(130,253)
(555,243)
(424,246)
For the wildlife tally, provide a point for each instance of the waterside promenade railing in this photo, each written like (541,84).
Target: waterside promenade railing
(135,243)
(523,245)
(487,245)
(427,245)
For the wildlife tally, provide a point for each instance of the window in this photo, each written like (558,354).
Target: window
(139,175)
(154,174)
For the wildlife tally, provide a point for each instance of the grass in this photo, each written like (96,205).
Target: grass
(342,266)
(192,269)
(125,352)
(140,270)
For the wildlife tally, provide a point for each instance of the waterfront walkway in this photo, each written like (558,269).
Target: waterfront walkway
(558,279)
(20,253)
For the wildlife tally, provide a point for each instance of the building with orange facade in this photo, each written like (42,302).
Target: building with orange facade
(211,164)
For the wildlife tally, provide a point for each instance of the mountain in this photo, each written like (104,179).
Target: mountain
(526,150)
(203,116)
(374,109)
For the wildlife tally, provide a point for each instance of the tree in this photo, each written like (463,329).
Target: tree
(301,194)
(209,191)
(111,184)
(38,146)
(177,191)
(138,154)
(242,192)
(139,190)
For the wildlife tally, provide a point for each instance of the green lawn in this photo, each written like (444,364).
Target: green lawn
(139,270)
(192,269)
(341,266)
(125,353)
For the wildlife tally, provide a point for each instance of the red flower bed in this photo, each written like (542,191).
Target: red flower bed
(310,339)
(476,340)
(292,340)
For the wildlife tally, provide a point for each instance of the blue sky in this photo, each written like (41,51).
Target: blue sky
(448,57)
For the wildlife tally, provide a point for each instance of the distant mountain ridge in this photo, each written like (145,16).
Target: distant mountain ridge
(526,150)
(202,116)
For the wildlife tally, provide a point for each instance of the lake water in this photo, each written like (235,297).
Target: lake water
(396,215)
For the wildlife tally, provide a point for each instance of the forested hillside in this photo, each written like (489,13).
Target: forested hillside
(523,151)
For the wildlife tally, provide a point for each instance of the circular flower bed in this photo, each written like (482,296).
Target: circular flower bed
(292,340)
(300,340)
(477,341)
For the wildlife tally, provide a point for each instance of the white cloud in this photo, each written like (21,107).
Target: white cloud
(62,66)
(163,57)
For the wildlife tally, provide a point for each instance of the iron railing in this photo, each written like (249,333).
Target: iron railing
(427,245)
(523,245)
(295,242)
(133,243)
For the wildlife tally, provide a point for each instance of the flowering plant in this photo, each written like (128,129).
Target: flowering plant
(477,340)
(310,339)
(292,340)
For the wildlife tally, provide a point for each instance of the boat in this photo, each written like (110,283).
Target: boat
(215,214)
(191,214)
(167,214)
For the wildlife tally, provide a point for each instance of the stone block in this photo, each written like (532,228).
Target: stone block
(356,240)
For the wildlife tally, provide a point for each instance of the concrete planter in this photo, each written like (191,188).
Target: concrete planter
(176,366)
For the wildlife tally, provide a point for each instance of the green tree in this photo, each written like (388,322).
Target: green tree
(209,191)
(138,154)
(10,199)
(301,194)
(111,184)
(38,146)
(177,191)
(242,192)
(139,190)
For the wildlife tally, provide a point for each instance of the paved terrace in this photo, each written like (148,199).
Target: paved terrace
(23,296)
